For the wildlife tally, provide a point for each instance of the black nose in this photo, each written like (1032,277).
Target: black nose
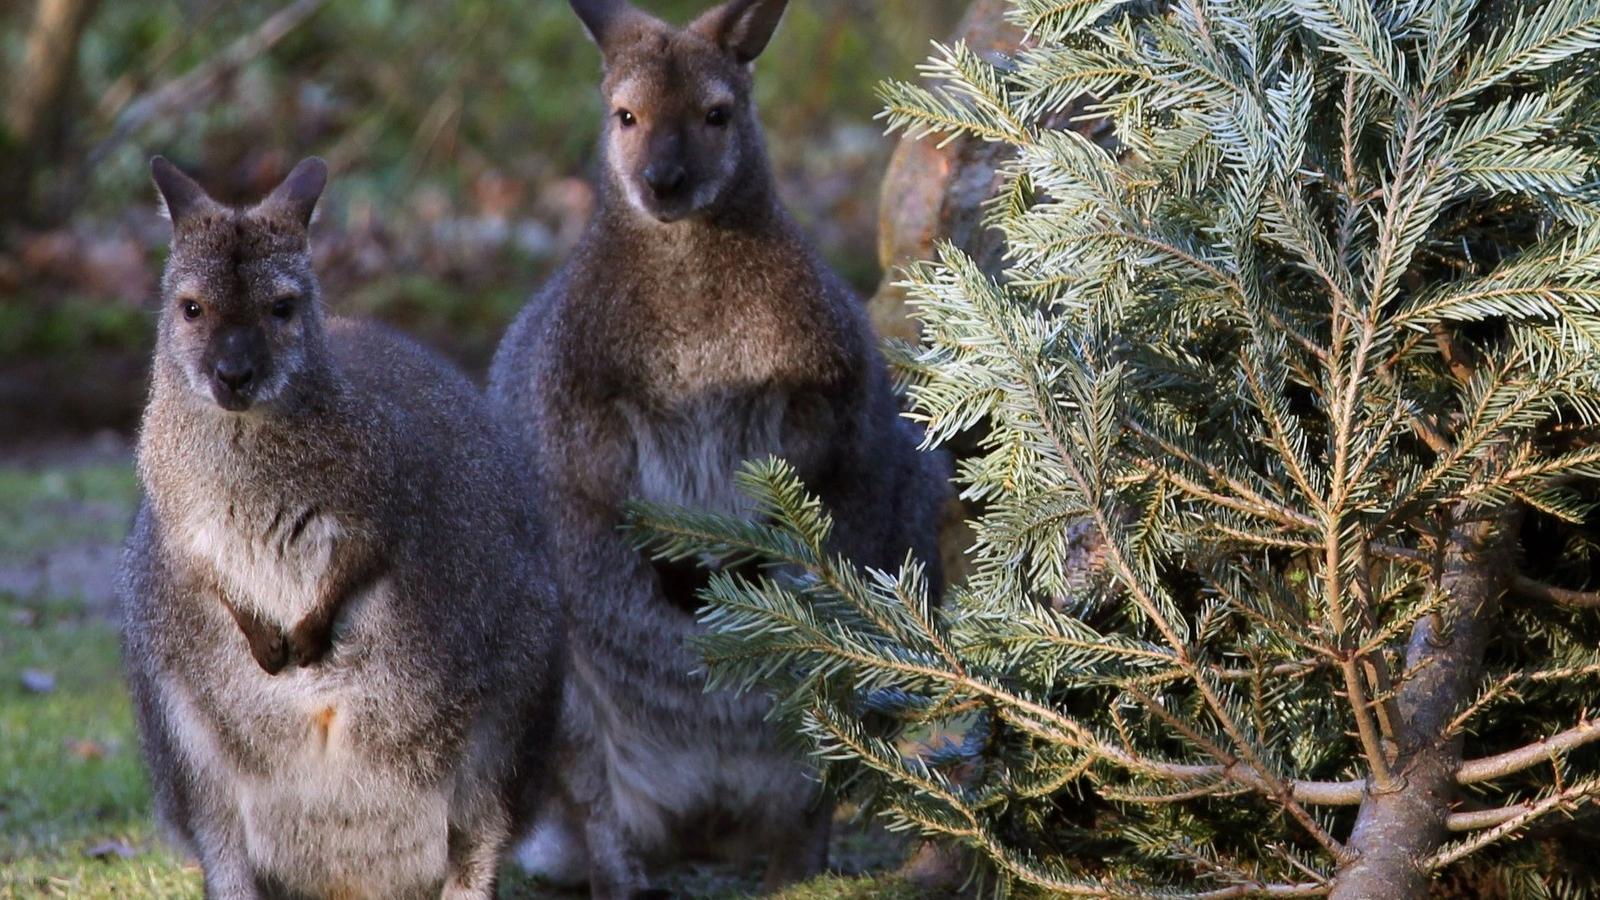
(665,178)
(235,374)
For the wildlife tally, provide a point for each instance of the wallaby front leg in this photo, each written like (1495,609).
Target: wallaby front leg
(219,842)
(352,570)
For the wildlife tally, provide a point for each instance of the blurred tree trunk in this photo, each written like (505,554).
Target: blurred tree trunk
(35,110)
(933,193)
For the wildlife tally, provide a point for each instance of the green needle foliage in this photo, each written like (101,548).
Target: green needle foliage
(1312,354)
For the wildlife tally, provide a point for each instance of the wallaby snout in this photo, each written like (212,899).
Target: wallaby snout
(673,170)
(237,361)
(666,175)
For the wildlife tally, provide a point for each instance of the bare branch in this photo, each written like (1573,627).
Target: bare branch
(1526,757)
(1523,815)
(197,83)
(1538,590)
(1485,818)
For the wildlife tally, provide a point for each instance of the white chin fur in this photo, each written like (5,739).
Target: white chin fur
(554,853)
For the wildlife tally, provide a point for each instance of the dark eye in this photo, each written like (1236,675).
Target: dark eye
(191,309)
(717,116)
(283,308)
(626,118)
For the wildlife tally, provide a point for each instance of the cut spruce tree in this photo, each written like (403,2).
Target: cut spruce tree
(1314,352)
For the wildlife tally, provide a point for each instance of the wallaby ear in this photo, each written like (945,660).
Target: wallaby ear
(742,27)
(601,17)
(298,194)
(181,197)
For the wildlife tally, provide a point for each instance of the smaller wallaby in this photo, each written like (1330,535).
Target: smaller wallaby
(692,328)
(339,630)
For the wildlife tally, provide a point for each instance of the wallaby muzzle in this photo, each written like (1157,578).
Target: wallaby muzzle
(235,365)
(667,182)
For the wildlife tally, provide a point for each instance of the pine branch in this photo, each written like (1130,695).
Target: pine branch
(1519,818)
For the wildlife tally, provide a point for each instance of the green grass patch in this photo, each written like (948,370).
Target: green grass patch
(72,787)
(31,328)
(45,508)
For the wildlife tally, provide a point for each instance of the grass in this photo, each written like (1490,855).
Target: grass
(43,509)
(70,776)
(75,807)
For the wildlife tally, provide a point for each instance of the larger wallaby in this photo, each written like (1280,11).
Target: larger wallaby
(692,328)
(340,630)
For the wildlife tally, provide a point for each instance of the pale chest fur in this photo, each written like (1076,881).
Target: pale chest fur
(723,377)
(317,807)
(237,509)
(687,453)
(272,557)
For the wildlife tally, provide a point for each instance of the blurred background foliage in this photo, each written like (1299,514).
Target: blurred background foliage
(460,133)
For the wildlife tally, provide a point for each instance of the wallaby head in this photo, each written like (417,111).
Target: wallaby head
(240,319)
(681,126)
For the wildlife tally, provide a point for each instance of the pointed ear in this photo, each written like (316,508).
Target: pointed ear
(181,197)
(742,27)
(601,17)
(298,194)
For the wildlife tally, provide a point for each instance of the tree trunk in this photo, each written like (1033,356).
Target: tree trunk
(932,193)
(1396,832)
(36,107)
(52,52)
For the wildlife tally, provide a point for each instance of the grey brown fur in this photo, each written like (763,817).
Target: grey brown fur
(692,328)
(339,628)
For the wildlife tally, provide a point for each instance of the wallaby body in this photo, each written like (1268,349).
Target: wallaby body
(693,328)
(339,630)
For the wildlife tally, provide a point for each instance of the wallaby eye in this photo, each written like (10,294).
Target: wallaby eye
(283,307)
(191,309)
(626,118)
(717,116)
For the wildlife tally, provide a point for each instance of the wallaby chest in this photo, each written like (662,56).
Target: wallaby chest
(263,516)
(272,555)
(687,451)
(724,361)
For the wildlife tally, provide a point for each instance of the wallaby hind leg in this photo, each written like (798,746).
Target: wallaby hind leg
(615,870)
(556,851)
(474,861)
(802,853)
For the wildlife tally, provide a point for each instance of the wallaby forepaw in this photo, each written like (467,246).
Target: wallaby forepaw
(270,652)
(306,650)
